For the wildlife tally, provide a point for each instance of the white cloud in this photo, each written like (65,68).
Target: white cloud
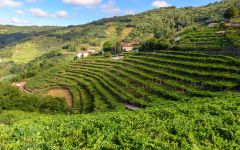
(3,21)
(42,13)
(20,12)
(110,7)
(15,21)
(85,3)
(129,12)
(61,14)
(33,1)
(19,22)
(160,4)
(38,12)
(10,3)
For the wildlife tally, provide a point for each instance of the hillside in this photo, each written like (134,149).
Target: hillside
(202,38)
(138,27)
(142,79)
(184,100)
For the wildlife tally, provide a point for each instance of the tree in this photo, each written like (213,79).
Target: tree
(160,33)
(231,13)
(161,44)
(16,69)
(118,47)
(154,44)
(107,46)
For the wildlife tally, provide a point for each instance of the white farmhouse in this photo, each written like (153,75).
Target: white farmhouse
(83,54)
(127,47)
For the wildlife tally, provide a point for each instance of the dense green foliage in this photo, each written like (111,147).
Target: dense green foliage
(154,45)
(197,124)
(112,47)
(13,99)
(107,46)
(231,13)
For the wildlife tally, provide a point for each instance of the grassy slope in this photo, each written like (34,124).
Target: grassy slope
(197,124)
(25,52)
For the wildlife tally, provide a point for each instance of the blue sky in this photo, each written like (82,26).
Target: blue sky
(74,12)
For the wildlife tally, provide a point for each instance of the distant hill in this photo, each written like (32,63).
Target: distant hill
(166,22)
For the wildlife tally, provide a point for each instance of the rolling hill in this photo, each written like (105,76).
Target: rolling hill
(184,97)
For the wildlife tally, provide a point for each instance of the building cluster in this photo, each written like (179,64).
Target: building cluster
(124,46)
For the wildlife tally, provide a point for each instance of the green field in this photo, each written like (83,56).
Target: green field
(25,52)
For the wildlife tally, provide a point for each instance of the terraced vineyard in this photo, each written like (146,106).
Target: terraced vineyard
(207,37)
(142,79)
(233,34)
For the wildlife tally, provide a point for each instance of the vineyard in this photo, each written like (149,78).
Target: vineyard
(207,37)
(149,75)
(233,34)
(142,79)
(203,123)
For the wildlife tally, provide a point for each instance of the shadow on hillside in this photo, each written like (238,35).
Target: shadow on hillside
(13,38)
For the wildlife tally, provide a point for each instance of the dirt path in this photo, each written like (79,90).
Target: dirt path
(21,86)
(63,93)
(54,92)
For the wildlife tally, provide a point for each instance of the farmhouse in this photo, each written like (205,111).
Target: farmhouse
(82,54)
(127,46)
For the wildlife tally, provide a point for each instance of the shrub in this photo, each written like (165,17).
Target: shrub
(155,44)
(13,99)
(108,55)
(231,13)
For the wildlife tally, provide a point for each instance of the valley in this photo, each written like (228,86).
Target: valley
(165,78)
